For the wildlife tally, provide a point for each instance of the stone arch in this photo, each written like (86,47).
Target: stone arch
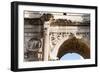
(74,45)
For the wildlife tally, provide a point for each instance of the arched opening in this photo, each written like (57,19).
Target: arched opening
(71,56)
(74,45)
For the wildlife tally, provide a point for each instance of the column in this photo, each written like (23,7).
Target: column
(46,41)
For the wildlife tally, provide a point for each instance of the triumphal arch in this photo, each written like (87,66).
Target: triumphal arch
(48,39)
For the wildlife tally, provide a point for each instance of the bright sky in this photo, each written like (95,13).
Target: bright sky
(72,56)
